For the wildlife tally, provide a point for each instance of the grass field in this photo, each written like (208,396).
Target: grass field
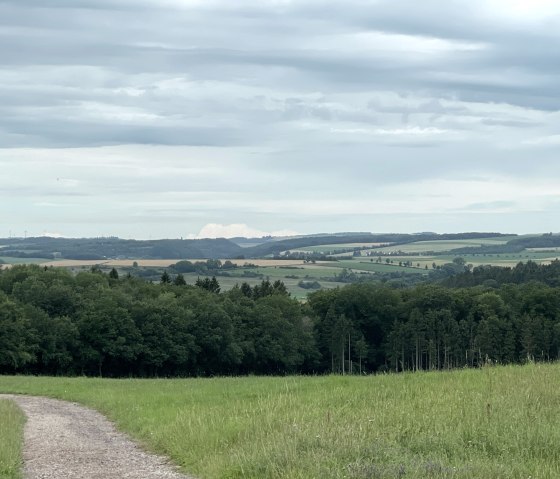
(490,423)
(507,259)
(11,260)
(11,434)
(155,263)
(363,264)
(334,247)
(226,283)
(444,245)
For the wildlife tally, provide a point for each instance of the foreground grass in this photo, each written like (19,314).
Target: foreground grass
(501,422)
(11,434)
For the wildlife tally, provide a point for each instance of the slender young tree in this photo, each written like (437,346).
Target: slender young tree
(165,279)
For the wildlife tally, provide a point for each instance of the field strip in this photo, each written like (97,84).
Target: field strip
(165,263)
(63,439)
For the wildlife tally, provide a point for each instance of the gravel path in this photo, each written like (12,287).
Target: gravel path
(66,440)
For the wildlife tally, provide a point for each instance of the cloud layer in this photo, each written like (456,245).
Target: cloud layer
(154,118)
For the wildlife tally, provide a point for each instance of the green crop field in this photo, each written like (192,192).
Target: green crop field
(272,274)
(504,259)
(443,245)
(11,434)
(363,264)
(303,272)
(489,423)
(417,247)
(11,260)
(335,246)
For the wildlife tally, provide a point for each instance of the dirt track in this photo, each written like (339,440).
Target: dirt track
(65,440)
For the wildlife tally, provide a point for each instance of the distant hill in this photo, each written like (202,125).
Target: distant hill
(277,247)
(103,248)
(221,248)
(515,245)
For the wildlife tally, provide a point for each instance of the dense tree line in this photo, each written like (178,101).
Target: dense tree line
(54,322)
(488,275)
(433,327)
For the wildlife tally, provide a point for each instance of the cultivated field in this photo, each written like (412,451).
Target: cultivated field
(333,247)
(422,255)
(159,263)
(10,260)
(444,245)
(490,423)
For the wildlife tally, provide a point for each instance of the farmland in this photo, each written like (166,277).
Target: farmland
(443,245)
(334,247)
(160,263)
(361,260)
(493,422)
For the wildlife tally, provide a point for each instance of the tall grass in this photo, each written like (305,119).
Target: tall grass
(501,422)
(11,435)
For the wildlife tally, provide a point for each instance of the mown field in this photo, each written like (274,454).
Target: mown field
(11,432)
(495,422)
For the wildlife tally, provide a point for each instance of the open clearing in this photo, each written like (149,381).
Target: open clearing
(489,423)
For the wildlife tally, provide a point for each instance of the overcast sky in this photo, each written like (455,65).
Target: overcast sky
(190,118)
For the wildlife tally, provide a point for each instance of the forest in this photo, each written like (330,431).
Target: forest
(91,323)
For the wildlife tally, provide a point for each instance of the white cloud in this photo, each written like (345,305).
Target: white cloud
(50,234)
(213,230)
(522,10)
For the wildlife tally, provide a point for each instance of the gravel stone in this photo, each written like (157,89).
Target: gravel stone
(65,440)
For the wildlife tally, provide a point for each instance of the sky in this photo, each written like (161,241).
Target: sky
(208,118)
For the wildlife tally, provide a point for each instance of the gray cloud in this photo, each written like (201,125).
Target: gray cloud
(224,111)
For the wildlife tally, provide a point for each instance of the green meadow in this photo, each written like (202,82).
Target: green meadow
(290,278)
(443,245)
(11,433)
(364,264)
(334,247)
(11,260)
(489,423)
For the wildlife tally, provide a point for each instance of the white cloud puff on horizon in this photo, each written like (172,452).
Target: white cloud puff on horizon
(216,230)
